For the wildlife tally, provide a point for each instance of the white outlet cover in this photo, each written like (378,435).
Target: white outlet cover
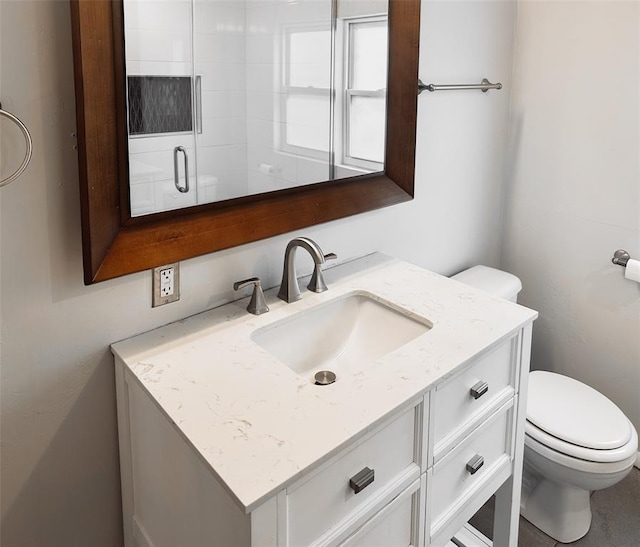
(166,284)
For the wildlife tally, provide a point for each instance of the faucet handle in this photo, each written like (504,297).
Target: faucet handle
(317,284)
(257,304)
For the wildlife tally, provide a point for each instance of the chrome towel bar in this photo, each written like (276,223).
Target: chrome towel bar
(29,142)
(483,86)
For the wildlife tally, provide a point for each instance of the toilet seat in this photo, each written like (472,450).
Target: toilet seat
(576,420)
(539,437)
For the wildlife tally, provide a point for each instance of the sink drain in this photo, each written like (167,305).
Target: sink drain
(324,378)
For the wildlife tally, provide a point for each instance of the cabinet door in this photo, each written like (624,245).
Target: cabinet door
(399,524)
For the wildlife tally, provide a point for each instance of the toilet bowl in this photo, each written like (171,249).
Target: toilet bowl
(576,440)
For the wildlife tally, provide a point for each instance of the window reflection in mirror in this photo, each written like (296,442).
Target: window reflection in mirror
(233,98)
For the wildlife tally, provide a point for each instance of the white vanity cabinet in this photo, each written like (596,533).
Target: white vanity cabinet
(435,457)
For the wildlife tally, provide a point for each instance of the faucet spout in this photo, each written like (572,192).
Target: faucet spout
(289,288)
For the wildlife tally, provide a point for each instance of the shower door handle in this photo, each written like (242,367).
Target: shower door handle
(176,175)
(198,96)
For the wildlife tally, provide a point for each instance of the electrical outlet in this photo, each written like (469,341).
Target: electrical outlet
(166,281)
(166,284)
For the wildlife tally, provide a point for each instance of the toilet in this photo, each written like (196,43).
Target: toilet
(576,440)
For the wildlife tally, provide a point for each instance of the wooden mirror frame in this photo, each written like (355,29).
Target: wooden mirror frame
(115,244)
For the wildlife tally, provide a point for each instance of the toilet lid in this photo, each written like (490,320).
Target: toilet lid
(575,413)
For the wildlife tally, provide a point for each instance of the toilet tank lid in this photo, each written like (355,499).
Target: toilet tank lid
(491,280)
(575,413)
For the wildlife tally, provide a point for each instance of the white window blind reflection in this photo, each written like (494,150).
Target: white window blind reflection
(365,93)
(308,121)
(369,55)
(309,58)
(367,128)
(306,90)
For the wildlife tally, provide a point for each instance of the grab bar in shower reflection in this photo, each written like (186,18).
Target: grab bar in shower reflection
(28,141)
(483,86)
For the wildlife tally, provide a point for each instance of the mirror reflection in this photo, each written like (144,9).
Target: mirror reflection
(228,98)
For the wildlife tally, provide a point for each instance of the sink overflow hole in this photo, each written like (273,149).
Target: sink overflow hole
(324,378)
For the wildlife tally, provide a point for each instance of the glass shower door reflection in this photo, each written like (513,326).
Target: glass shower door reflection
(161,108)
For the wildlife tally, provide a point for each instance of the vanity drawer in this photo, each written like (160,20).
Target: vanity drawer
(454,481)
(396,525)
(323,499)
(472,395)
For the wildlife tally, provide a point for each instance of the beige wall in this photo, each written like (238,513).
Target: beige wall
(574,190)
(60,483)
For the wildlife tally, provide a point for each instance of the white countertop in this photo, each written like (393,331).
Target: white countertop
(259,425)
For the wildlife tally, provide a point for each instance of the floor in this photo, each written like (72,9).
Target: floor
(616,519)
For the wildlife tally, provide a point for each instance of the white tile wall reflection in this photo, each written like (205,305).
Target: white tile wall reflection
(258,119)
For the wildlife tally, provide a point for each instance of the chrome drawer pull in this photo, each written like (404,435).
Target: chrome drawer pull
(474,464)
(479,389)
(361,480)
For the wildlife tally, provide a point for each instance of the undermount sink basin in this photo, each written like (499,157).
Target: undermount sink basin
(342,335)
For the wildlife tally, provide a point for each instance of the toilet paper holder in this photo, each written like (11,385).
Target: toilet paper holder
(621,258)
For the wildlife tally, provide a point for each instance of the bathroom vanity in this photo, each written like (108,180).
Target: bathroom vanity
(226,440)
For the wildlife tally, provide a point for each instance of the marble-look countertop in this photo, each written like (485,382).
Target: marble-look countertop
(260,426)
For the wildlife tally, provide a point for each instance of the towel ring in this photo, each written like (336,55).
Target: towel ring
(29,142)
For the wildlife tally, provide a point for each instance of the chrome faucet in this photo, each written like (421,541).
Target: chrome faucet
(289,288)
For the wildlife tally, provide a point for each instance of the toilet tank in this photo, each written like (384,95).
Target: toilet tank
(491,280)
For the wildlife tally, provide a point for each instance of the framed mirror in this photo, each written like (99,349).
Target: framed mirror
(120,238)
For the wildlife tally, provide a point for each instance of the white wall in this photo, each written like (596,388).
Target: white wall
(60,484)
(574,190)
